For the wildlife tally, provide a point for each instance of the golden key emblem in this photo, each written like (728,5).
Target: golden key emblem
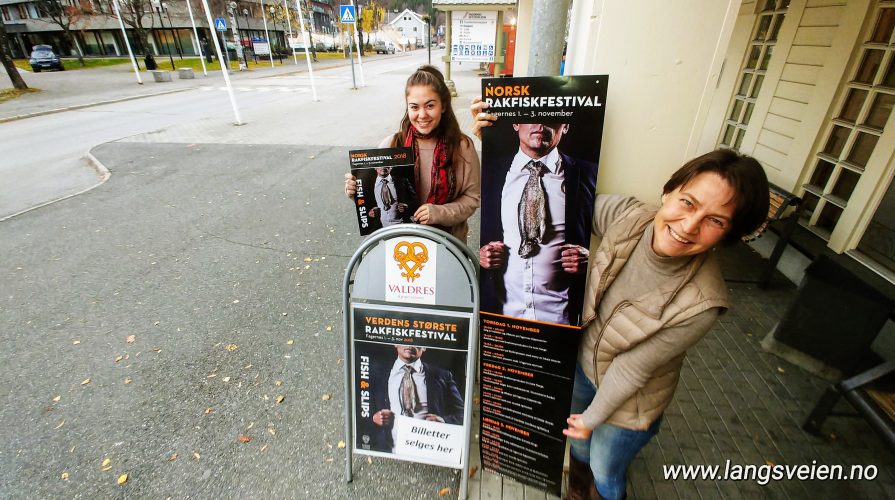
(411,257)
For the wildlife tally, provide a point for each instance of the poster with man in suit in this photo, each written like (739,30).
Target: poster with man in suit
(539,171)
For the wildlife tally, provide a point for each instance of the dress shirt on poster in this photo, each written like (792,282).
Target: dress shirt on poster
(538,279)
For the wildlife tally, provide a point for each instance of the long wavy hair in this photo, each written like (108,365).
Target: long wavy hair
(448,128)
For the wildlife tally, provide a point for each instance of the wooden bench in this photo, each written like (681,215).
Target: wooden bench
(780,220)
(871,393)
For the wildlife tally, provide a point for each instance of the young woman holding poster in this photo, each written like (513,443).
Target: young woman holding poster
(654,289)
(447,166)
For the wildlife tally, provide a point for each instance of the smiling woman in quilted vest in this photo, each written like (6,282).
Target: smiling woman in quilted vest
(654,290)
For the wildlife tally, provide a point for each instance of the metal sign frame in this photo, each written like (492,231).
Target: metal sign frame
(468,260)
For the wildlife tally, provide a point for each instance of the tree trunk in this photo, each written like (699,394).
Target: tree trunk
(71,40)
(6,57)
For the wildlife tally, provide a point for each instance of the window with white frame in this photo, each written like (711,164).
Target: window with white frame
(761,48)
(853,134)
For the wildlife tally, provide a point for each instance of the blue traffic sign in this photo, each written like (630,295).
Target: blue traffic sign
(346,14)
(220,24)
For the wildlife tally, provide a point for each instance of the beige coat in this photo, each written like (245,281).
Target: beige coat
(699,288)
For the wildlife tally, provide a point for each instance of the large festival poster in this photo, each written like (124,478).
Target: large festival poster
(409,382)
(539,170)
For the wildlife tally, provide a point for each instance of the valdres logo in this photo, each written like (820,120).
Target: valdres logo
(411,259)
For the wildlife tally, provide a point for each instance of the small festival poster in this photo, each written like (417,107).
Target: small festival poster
(386,192)
(539,169)
(409,379)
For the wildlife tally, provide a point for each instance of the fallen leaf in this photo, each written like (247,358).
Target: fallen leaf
(341,445)
(236,301)
(64,476)
(208,410)
(370,460)
(127,380)
(246,367)
(290,342)
(473,470)
(106,462)
(444,492)
(226,379)
(232,347)
(213,375)
(106,469)
(272,431)
(285,314)
(172,457)
(329,328)
(280,398)
(244,439)
(122,479)
(60,425)
(263,448)
(131,339)
(118,358)
(251,424)
(308,259)
(326,397)
(85,381)
(56,399)
(196,456)
(278,383)
(781,370)
(156,349)
(833,436)
(76,342)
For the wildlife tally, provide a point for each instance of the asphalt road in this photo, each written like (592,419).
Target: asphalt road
(156,319)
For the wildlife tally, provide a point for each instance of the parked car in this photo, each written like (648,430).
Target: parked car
(43,57)
(384,48)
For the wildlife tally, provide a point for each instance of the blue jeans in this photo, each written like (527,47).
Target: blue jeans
(610,449)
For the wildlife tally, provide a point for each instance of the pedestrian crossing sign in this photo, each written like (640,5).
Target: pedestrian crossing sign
(220,24)
(346,13)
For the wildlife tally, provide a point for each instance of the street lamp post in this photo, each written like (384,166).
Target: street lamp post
(245,14)
(236,37)
(158,10)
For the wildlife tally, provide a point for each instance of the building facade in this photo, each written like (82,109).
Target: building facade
(97,31)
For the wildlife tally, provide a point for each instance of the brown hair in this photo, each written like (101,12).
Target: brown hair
(744,175)
(448,128)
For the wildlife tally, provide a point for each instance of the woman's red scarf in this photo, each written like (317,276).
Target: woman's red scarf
(442,190)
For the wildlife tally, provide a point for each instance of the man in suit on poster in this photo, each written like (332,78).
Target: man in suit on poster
(537,208)
(395,198)
(412,388)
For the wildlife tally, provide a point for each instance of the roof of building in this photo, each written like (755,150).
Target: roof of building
(401,14)
(473,2)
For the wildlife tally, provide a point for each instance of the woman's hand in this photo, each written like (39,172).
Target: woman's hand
(350,186)
(421,216)
(576,429)
(480,119)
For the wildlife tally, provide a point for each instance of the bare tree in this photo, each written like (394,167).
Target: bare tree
(136,13)
(66,17)
(6,57)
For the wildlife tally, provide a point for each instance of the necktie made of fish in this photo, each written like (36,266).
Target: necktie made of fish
(532,210)
(387,199)
(410,399)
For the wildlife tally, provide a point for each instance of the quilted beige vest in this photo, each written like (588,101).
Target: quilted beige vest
(700,288)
